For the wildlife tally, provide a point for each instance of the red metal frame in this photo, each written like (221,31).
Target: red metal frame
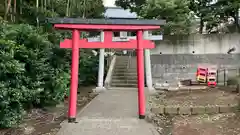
(140,44)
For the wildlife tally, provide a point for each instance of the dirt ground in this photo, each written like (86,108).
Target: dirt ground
(47,121)
(215,124)
(198,97)
(218,124)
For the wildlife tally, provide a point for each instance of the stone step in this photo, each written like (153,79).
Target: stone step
(123,85)
(123,88)
(133,63)
(121,65)
(125,74)
(123,59)
(132,66)
(124,77)
(124,81)
(123,69)
(122,62)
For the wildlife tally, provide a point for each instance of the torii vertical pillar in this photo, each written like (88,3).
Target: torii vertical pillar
(140,73)
(74,77)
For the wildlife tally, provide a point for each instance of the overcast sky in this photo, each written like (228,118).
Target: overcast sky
(109,3)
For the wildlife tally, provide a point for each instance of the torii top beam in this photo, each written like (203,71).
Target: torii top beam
(106,24)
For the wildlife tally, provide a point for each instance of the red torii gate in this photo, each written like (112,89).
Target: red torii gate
(107,26)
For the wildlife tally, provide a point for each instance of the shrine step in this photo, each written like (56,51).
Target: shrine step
(121,64)
(125,74)
(124,81)
(124,77)
(123,85)
(124,70)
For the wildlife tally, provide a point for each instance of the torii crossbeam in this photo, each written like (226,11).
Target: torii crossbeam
(107,26)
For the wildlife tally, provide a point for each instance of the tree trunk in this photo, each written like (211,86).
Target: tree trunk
(84,9)
(52,7)
(42,5)
(7,9)
(11,13)
(201,25)
(70,7)
(37,7)
(67,8)
(15,10)
(45,4)
(236,20)
(20,7)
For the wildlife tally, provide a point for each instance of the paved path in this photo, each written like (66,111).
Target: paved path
(111,113)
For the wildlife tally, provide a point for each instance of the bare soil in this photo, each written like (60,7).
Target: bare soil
(47,121)
(218,124)
(198,97)
(215,124)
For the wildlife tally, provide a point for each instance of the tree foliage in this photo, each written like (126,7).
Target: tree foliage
(205,12)
(175,12)
(181,15)
(229,9)
(34,71)
(34,11)
(134,5)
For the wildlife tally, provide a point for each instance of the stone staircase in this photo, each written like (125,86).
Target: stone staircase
(125,73)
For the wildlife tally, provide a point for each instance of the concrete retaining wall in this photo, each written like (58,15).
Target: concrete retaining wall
(174,67)
(197,44)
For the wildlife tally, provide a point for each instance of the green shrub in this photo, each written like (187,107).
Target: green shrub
(27,77)
(11,90)
(34,71)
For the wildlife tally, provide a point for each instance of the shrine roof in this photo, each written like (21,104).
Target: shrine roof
(140,22)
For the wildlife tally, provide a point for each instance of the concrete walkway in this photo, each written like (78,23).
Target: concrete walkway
(113,112)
